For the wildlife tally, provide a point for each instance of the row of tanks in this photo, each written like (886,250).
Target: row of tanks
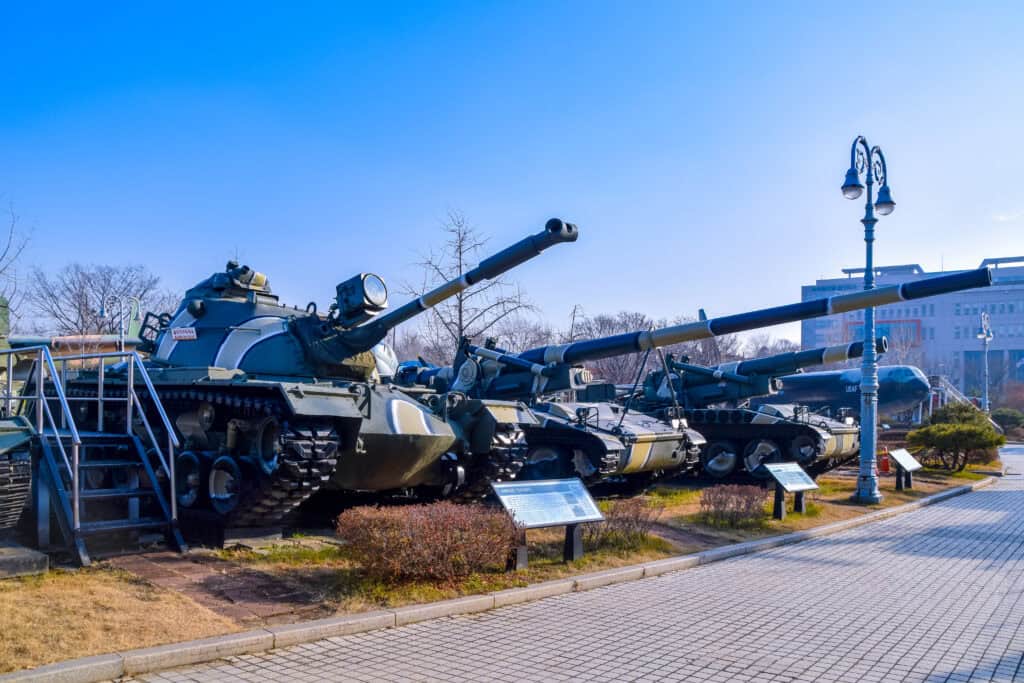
(273,404)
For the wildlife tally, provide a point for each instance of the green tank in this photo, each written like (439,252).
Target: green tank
(273,403)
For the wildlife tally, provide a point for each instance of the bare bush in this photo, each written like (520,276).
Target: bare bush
(733,505)
(627,523)
(442,541)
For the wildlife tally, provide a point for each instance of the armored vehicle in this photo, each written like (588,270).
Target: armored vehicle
(715,401)
(594,440)
(273,403)
(15,470)
(558,368)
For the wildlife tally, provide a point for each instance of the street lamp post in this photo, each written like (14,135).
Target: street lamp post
(985,335)
(869,162)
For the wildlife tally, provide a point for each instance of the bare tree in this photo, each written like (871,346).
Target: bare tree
(764,344)
(904,347)
(70,301)
(518,333)
(11,246)
(474,312)
(617,369)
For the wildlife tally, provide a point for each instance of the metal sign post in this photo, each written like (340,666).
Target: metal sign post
(906,464)
(789,478)
(547,503)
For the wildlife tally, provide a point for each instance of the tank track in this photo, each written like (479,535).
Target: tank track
(506,458)
(307,459)
(305,464)
(15,487)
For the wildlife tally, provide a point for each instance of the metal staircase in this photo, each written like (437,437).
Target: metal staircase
(97,483)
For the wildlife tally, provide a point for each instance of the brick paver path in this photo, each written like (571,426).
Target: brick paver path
(933,595)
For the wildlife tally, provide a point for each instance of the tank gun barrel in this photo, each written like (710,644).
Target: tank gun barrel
(556,231)
(631,342)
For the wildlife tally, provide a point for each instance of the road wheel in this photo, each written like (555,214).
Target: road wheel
(759,452)
(225,484)
(546,462)
(720,459)
(188,473)
(805,449)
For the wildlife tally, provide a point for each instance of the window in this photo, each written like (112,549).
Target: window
(931,309)
(956,333)
(1002,308)
(956,309)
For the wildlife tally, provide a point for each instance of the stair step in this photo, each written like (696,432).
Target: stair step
(109,525)
(94,464)
(95,494)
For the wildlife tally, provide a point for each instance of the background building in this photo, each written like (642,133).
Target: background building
(938,335)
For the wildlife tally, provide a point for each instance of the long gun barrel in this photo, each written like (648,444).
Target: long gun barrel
(773,366)
(556,231)
(631,342)
(699,386)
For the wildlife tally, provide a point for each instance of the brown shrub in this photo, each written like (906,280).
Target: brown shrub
(626,524)
(733,505)
(437,541)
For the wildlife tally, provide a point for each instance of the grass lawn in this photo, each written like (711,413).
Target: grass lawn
(683,523)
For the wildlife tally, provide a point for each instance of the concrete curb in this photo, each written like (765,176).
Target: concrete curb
(106,667)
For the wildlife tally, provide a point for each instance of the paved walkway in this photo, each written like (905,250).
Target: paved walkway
(933,595)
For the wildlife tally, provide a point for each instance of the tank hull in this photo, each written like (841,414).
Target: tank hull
(739,440)
(597,442)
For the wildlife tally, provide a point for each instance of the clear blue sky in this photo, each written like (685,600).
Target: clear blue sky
(699,148)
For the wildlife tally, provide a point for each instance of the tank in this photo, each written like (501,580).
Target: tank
(16,435)
(715,401)
(273,403)
(547,370)
(595,440)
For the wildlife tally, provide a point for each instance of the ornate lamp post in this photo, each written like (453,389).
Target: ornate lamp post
(985,335)
(870,163)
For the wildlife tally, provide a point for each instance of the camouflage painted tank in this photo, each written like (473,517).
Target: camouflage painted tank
(273,403)
(594,440)
(739,438)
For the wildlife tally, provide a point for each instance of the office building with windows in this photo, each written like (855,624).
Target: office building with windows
(939,335)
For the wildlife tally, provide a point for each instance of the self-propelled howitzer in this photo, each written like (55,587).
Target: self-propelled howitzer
(740,438)
(273,403)
(698,386)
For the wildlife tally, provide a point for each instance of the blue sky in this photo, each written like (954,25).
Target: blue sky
(700,148)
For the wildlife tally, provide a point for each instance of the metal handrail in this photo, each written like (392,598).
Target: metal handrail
(135,367)
(156,401)
(45,416)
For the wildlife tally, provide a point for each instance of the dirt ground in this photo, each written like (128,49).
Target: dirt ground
(161,597)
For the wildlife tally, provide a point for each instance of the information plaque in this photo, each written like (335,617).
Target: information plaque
(790,476)
(905,460)
(552,502)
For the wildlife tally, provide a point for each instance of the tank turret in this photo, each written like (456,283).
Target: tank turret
(233,321)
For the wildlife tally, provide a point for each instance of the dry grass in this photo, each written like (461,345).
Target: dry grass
(342,585)
(830,503)
(63,615)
